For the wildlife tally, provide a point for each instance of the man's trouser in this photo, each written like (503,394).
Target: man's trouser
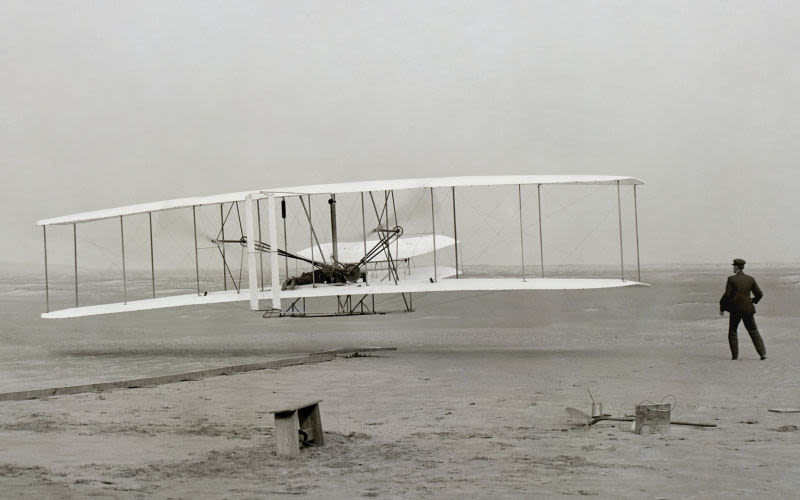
(749,323)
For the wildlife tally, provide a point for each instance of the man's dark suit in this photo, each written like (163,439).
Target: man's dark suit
(737,301)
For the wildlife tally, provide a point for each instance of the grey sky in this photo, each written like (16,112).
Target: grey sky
(112,103)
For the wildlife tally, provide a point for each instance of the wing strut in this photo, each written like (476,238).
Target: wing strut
(196,256)
(285,244)
(46,281)
(521,233)
(260,260)
(222,219)
(312,237)
(252,277)
(363,223)
(636,223)
(124,275)
(273,261)
(75,250)
(455,227)
(621,258)
(334,238)
(152,260)
(433,232)
(541,242)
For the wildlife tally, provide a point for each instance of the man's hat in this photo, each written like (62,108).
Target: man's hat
(738,262)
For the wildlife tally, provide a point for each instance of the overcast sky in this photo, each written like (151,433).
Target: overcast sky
(111,103)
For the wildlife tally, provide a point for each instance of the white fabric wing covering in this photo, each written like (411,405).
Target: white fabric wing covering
(407,247)
(345,187)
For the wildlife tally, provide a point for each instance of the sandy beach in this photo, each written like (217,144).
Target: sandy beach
(469,404)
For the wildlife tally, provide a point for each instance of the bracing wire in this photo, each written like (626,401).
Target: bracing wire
(500,238)
(572,203)
(581,244)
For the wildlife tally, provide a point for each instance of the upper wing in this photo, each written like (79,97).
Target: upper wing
(344,187)
(449,182)
(142,208)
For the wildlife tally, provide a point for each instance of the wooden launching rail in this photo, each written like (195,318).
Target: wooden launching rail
(164,379)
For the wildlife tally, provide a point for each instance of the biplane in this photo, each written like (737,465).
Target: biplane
(399,237)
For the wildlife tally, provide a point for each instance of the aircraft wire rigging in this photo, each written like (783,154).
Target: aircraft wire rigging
(489,242)
(582,243)
(202,239)
(579,200)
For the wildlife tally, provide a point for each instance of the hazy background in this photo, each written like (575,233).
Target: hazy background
(112,103)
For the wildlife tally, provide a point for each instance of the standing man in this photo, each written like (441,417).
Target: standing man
(739,304)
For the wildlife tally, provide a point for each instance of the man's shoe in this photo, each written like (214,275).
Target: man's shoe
(763,357)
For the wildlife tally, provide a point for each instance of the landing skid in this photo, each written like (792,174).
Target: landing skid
(346,305)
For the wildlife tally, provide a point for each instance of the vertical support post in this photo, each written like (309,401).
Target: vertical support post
(433,230)
(273,254)
(455,227)
(541,243)
(334,236)
(364,233)
(260,254)
(252,277)
(124,274)
(46,279)
(311,237)
(363,223)
(285,243)
(397,241)
(152,260)
(621,258)
(75,251)
(196,256)
(521,236)
(222,235)
(394,208)
(636,224)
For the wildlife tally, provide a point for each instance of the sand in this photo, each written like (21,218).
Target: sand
(471,404)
